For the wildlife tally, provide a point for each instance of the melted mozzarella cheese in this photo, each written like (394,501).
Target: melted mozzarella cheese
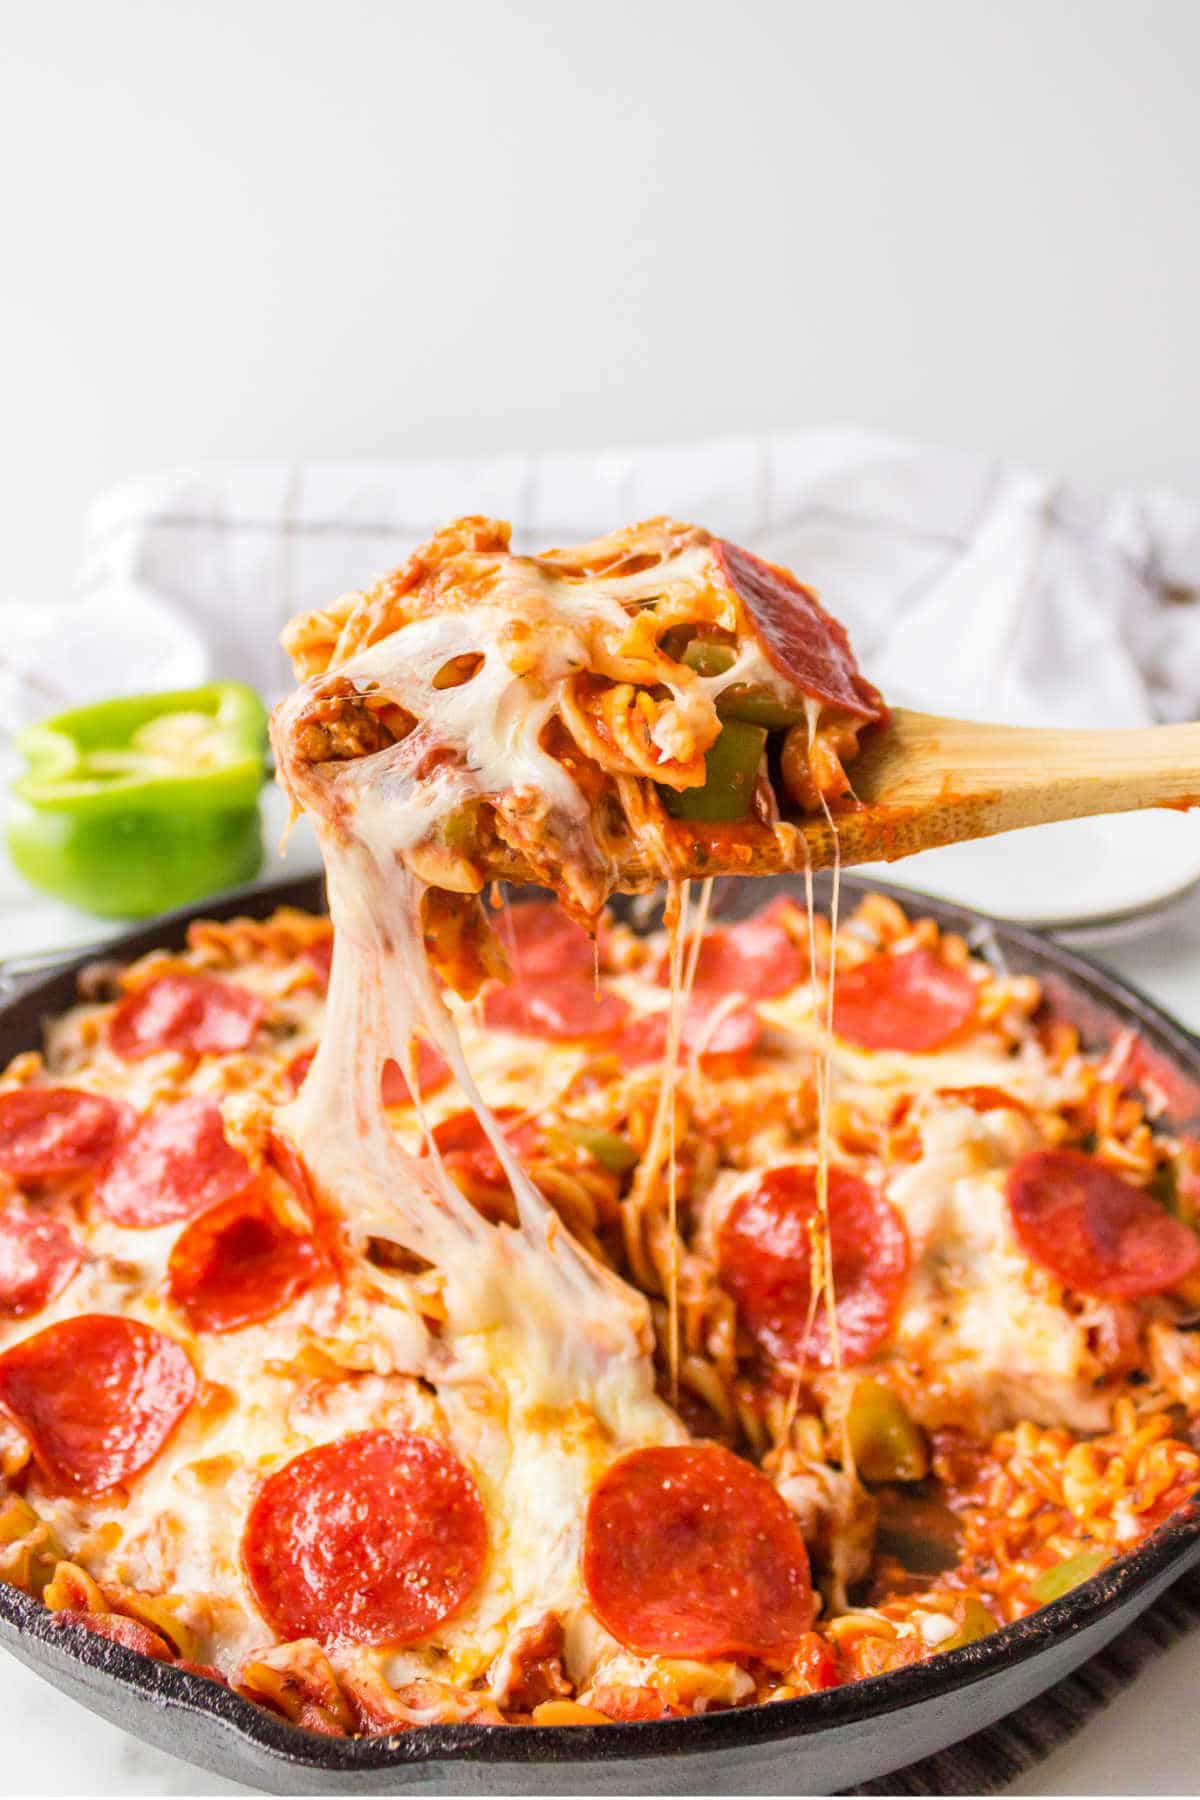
(543,1368)
(876,1077)
(977,1314)
(983,1328)
(991,1343)
(535,630)
(541,1374)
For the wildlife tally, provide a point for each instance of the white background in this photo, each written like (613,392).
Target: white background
(289,231)
(250,228)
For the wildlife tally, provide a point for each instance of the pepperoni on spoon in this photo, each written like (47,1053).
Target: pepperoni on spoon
(194,1014)
(97,1397)
(912,1002)
(1095,1231)
(38,1256)
(765,1257)
(174,1165)
(556,1006)
(376,1538)
(50,1132)
(690,1552)
(797,634)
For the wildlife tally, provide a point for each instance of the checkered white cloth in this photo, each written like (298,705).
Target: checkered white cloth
(968,586)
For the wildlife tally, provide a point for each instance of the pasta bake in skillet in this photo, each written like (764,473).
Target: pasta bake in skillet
(801,1305)
(818,1742)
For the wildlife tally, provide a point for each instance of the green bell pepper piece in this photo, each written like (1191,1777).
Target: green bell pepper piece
(730,769)
(1164,1185)
(759,706)
(885,1443)
(1054,1582)
(708,658)
(612,1152)
(139,804)
(752,705)
(977,1623)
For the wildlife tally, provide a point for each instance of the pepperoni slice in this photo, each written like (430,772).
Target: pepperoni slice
(175,1164)
(765,1255)
(711,1028)
(1095,1231)
(911,1002)
(55,1131)
(433,1072)
(556,1006)
(38,1256)
(463,1135)
(119,1629)
(983,1099)
(97,1397)
(756,957)
(319,957)
(204,1670)
(194,1014)
(472,1163)
(240,1262)
(689,1551)
(298,1068)
(632,1703)
(377,1538)
(541,940)
(802,640)
(814,1666)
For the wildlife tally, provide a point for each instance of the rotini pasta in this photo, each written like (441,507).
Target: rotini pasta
(1035,1460)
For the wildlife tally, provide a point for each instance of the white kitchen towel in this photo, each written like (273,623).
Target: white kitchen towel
(968,586)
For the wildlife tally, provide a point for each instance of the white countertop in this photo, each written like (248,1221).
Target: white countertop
(1146,1742)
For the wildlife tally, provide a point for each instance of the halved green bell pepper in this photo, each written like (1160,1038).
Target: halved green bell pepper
(135,805)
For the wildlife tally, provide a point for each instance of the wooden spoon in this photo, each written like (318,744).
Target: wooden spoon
(922,782)
(926,781)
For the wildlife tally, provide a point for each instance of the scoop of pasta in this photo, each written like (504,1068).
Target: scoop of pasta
(656,704)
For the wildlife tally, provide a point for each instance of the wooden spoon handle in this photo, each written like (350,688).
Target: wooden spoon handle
(928,781)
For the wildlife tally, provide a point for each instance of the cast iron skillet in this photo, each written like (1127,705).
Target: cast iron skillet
(820,1744)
